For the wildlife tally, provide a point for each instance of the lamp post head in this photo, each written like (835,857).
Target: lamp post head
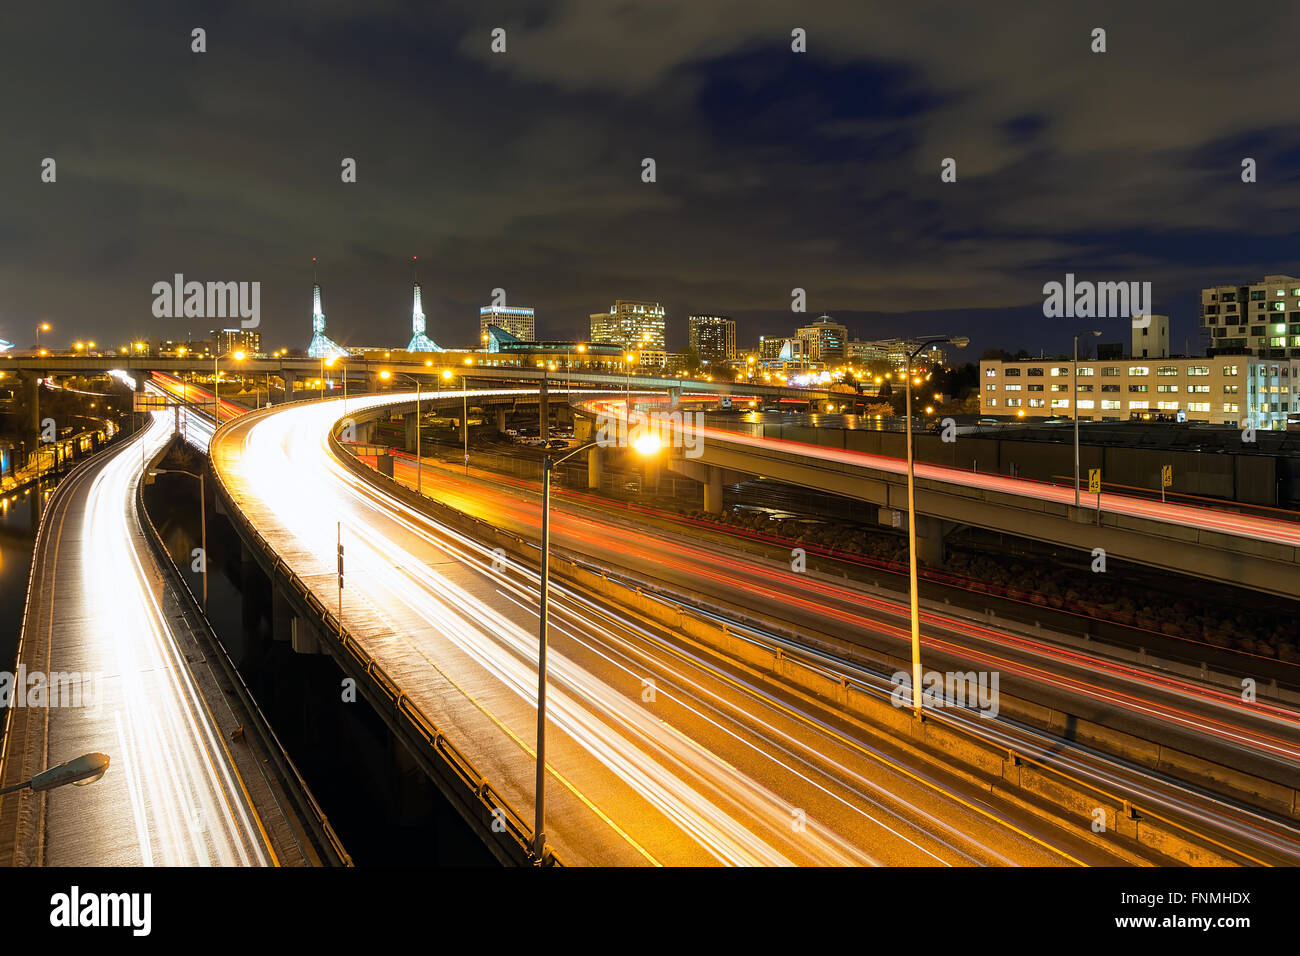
(80,771)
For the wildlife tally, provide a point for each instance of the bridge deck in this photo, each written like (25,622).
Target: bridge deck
(178,791)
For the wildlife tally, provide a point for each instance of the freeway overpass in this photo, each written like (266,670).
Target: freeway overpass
(293,371)
(1244,550)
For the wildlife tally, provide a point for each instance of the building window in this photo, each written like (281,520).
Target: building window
(1230,407)
(1279,306)
(1085,403)
(1137,371)
(1167,370)
(993,403)
(1139,405)
(1012,403)
(1011,388)
(1085,388)
(1167,406)
(1229,370)
(1086,372)
(1110,404)
(1198,370)
(990,373)
(1035,372)
(1198,388)
(1138,388)
(1198,406)
(1037,402)
(1166,388)
(1110,388)
(1011,373)
(1230,389)
(1035,388)
(1060,403)
(1060,388)
(990,388)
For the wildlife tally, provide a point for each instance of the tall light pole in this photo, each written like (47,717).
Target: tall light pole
(203,521)
(647,444)
(627,365)
(42,327)
(419,462)
(1074,407)
(961,342)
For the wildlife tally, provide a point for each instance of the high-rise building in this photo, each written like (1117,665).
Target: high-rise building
(517,320)
(237,340)
(633,324)
(1150,336)
(827,340)
(419,341)
(1262,318)
(713,337)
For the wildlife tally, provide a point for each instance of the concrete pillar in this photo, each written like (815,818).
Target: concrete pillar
(31,397)
(651,471)
(303,637)
(384,465)
(372,382)
(713,491)
(543,412)
(412,422)
(929,540)
(501,421)
(595,467)
(281,616)
(290,379)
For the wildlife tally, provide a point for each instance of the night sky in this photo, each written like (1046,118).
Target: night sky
(522,170)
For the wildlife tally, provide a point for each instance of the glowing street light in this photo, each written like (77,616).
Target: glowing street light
(238,356)
(419,462)
(646,444)
(80,771)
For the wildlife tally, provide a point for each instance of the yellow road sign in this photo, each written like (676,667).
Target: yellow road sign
(1094,481)
(1166,476)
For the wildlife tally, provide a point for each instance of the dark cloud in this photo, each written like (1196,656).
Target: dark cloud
(521,170)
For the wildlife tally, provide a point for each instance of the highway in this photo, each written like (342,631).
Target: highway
(173,795)
(657,755)
(1182,515)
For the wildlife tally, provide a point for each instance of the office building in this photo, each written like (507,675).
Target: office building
(1228,390)
(713,337)
(519,321)
(827,340)
(631,324)
(247,341)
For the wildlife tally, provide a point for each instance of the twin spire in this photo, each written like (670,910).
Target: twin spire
(322,346)
(419,341)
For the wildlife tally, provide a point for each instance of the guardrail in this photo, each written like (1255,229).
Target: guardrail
(508,835)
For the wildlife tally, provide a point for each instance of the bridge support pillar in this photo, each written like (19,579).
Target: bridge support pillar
(303,637)
(501,421)
(713,491)
(372,382)
(595,467)
(31,388)
(543,412)
(651,471)
(281,616)
(412,422)
(290,379)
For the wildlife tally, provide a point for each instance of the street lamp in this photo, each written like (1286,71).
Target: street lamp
(203,521)
(43,327)
(960,342)
(1074,406)
(79,771)
(628,358)
(419,462)
(646,445)
(238,356)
